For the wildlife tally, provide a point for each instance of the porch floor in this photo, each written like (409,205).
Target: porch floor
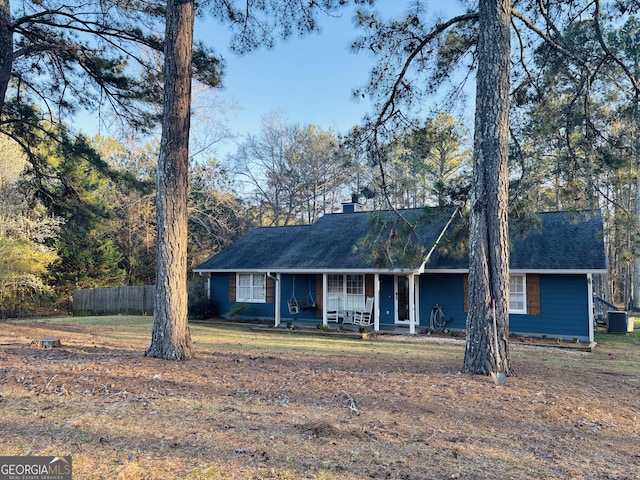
(313,323)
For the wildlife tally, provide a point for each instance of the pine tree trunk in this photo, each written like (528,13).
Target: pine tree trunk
(636,261)
(489,241)
(6,49)
(171,338)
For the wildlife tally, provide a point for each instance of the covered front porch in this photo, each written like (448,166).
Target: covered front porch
(333,299)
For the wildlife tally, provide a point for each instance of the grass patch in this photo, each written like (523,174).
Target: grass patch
(618,339)
(135,332)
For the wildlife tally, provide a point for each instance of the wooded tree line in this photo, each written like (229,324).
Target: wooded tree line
(570,87)
(96,228)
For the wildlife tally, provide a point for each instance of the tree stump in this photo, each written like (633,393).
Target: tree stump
(46,343)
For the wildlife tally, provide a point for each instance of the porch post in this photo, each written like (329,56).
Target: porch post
(277,300)
(325,321)
(376,302)
(417,300)
(590,303)
(412,304)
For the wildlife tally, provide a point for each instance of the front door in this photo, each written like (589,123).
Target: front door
(402,300)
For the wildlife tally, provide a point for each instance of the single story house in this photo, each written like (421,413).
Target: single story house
(412,265)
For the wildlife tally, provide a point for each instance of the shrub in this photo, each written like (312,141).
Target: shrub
(237,309)
(203,309)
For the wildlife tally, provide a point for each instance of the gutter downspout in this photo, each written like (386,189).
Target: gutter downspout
(276,297)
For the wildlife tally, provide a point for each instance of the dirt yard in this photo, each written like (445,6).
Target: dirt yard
(289,405)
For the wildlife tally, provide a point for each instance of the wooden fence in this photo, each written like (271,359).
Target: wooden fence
(125,300)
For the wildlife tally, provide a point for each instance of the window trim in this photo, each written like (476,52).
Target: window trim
(347,301)
(252,286)
(523,310)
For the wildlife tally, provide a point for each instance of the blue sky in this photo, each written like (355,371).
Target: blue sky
(309,79)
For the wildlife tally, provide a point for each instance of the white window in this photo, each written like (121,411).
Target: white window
(355,292)
(345,292)
(335,292)
(251,287)
(518,294)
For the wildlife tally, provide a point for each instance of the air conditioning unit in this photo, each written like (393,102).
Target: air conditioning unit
(617,322)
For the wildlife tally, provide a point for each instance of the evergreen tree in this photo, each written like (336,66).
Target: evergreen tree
(576,143)
(170,337)
(93,55)
(489,236)
(70,186)
(425,165)
(132,203)
(417,58)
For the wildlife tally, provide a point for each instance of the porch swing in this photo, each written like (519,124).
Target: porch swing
(296,305)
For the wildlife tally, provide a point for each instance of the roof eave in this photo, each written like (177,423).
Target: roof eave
(397,271)
(309,270)
(551,271)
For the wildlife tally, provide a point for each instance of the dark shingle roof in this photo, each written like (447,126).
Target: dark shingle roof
(558,241)
(332,243)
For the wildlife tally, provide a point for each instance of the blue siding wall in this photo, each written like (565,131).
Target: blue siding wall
(305,287)
(446,290)
(220,295)
(219,292)
(564,309)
